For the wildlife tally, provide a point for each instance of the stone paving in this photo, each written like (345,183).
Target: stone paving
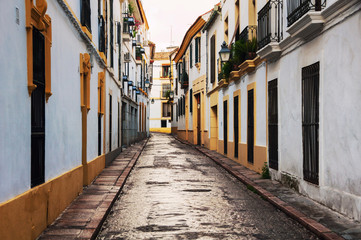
(324,222)
(84,217)
(176,192)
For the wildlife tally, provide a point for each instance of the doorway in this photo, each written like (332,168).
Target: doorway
(225,126)
(236,125)
(198,98)
(273,124)
(250,126)
(214,128)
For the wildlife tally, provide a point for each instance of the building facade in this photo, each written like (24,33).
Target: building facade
(63,104)
(287,98)
(161,91)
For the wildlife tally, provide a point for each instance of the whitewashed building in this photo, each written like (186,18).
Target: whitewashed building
(61,121)
(161,101)
(291,100)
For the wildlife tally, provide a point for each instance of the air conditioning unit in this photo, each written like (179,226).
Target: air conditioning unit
(126,57)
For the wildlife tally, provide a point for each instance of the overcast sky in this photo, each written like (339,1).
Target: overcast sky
(162,15)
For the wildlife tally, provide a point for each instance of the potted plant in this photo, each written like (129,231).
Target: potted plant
(252,48)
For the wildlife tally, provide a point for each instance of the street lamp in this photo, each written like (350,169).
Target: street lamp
(152,100)
(171,95)
(224,53)
(147,84)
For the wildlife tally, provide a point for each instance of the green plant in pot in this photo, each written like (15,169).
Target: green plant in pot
(239,52)
(251,48)
(227,69)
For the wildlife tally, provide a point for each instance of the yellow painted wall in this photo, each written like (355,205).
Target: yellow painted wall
(95,167)
(27,215)
(161,130)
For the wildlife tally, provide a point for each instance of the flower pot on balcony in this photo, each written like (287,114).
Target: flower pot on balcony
(251,55)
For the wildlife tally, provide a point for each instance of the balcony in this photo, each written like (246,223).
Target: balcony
(127,23)
(248,33)
(304,17)
(270,33)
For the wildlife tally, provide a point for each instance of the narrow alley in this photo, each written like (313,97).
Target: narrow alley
(175,192)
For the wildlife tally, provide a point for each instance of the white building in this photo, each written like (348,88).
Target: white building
(291,103)
(161,93)
(61,121)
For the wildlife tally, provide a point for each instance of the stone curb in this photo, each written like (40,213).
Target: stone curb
(106,190)
(317,228)
(119,183)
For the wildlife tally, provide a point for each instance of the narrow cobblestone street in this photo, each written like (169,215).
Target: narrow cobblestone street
(175,192)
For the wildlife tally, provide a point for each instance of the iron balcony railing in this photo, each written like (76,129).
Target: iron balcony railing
(248,33)
(270,23)
(297,8)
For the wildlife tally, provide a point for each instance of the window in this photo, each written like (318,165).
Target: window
(118,124)
(177,111)
(163,123)
(101,95)
(190,100)
(111,39)
(310,121)
(198,50)
(110,123)
(38,111)
(213,58)
(165,90)
(101,27)
(165,71)
(191,56)
(166,110)
(85,14)
(184,105)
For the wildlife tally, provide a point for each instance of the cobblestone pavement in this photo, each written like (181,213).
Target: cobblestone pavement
(175,192)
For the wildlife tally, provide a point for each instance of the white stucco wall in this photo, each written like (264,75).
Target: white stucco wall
(15,123)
